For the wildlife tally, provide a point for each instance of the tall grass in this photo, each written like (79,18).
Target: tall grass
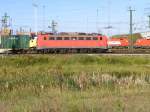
(77,83)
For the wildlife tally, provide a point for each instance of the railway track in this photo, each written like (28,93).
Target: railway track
(118,52)
(102,54)
(128,51)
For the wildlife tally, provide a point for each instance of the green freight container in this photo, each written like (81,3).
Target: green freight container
(15,42)
(23,41)
(8,42)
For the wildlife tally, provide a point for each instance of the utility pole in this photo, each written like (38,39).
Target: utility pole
(53,27)
(149,21)
(131,29)
(87,25)
(6,23)
(147,12)
(35,17)
(97,23)
(43,18)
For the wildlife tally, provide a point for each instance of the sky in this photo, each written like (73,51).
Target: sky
(78,15)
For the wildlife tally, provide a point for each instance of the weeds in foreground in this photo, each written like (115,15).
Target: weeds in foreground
(74,83)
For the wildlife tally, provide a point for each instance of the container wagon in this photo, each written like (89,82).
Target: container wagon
(14,43)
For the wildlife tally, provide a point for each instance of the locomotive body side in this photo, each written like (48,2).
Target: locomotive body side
(46,41)
(142,43)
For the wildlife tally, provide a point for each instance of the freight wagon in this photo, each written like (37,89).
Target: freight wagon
(15,42)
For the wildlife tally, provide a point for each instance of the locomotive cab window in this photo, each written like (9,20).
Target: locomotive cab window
(58,38)
(101,38)
(45,38)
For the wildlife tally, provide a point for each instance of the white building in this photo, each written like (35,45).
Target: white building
(145,35)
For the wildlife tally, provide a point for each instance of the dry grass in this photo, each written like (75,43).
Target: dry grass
(74,83)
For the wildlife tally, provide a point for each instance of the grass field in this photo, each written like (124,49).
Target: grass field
(74,83)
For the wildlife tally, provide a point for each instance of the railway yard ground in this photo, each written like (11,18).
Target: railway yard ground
(74,83)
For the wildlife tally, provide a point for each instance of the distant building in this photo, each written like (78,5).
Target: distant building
(145,35)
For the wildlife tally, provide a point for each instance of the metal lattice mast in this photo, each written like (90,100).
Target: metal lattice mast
(5,21)
(53,27)
(131,28)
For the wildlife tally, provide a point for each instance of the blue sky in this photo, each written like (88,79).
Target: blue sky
(78,15)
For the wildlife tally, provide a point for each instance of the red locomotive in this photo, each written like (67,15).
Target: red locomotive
(118,42)
(72,42)
(142,43)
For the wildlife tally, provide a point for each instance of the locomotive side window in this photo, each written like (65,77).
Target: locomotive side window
(66,38)
(45,38)
(95,38)
(81,38)
(73,38)
(51,38)
(58,38)
(88,38)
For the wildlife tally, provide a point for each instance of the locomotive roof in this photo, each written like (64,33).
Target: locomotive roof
(73,34)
